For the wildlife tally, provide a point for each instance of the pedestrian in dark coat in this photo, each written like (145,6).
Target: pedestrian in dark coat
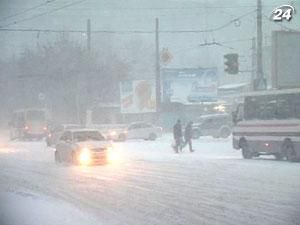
(177,132)
(188,134)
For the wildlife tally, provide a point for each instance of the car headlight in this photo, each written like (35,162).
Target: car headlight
(85,156)
(113,133)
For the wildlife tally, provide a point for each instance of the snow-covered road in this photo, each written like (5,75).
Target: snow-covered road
(148,185)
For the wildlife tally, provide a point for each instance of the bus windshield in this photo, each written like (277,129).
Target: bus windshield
(35,115)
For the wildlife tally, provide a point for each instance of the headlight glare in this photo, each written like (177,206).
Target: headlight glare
(85,156)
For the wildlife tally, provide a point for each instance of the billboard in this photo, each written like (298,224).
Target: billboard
(285,59)
(138,96)
(192,85)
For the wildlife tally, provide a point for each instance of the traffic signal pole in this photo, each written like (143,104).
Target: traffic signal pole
(157,69)
(88,33)
(259,84)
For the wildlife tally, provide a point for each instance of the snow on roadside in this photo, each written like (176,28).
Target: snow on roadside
(28,208)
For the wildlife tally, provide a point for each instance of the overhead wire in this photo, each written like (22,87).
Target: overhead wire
(222,44)
(3,28)
(42,14)
(26,10)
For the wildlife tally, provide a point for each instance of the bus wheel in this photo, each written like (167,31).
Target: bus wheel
(122,137)
(74,159)
(246,151)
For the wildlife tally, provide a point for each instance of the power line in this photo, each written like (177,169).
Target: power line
(128,31)
(175,8)
(42,14)
(42,30)
(26,10)
(235,41)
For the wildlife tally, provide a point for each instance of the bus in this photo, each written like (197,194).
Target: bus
(29,124)
(268,123)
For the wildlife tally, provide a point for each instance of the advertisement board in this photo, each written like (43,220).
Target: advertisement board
(285,59)
(192,85)
(138,96)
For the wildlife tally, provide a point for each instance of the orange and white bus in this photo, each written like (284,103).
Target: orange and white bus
(268,123)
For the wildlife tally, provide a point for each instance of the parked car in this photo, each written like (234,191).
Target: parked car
(216,125)
(110,131)
(137,130)
(55,133)
(83,147)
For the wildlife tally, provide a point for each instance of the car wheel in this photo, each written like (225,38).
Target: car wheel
(57,157)
(246,151)
(196,134)
(122,137)
(74,158)
(225,133)
(278,156)
(152,137)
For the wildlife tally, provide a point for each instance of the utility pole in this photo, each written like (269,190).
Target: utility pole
(260,81)
(157,80)
(88,33)
(86,80)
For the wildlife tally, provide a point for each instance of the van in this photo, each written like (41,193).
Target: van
(29,124)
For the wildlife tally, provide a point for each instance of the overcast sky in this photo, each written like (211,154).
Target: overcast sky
(139,15)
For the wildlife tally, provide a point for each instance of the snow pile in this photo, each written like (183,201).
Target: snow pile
(27,208)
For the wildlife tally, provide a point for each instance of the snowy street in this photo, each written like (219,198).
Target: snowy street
(148,184)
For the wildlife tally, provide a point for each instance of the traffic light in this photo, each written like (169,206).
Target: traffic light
(231,62)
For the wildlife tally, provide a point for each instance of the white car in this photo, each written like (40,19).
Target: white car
(82,146)
(140,130)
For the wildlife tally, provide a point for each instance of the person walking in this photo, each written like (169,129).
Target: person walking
(177,133)
(188,134)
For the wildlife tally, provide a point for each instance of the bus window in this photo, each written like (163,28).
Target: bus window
(267,107)
(297,106)
(260,107)
(251,108)
(285,108)
(20,120)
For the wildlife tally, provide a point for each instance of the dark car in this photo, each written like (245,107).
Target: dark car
(215,125)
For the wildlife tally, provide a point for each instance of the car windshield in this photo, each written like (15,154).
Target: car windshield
(80,136)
